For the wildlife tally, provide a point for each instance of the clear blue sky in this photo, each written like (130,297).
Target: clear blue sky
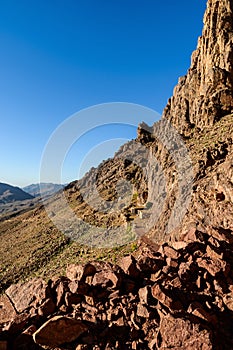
(58,57)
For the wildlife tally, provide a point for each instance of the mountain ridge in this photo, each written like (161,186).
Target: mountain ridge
(45,189)
(10,193)
(170,289)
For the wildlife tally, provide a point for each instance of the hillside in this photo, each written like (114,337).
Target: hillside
(161,209)
(9,194)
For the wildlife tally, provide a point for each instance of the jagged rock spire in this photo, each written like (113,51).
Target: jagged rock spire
(205,94)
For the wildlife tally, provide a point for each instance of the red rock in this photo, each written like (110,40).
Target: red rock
(90,308)
(105,279)
(80,272)
(220,235)
(169,252)
(7,311)
(64,309)
(155,276)
(220,304)
(114,313)
(61,289)
(165,299)
(199,282)
(228,301)
(89,300)
(78,287)
(179,245)
(171,262)
(142,311)
(153,344)
(149,264)
(32,293)
(25,341)
(89,317)
(214,266)
(181,334)
(186,271)
(197,310)
(18,323)
(213,254)
(166,270)
(143,294)
(133,320)
(134,345)
(214,242)
(128,265)
(191,235)
(176,283)
(120,322)
(47,308)
(72,299)
(59,330)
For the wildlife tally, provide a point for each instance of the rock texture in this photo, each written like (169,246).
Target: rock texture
(164,297)
(201,111)
(204,95)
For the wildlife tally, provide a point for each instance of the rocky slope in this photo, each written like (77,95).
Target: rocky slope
(178,297)
(173,295)
(193,186)
(14,201)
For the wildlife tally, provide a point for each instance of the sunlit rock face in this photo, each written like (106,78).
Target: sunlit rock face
(204,95)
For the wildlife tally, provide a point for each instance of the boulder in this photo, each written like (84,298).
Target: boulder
(128,265)
(59,330)
(80,272)
(27,295)
(182,334)
(166,300)
(7,311)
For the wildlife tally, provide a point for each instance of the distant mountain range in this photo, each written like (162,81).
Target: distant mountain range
(46,189)
(10,194)
(15,200)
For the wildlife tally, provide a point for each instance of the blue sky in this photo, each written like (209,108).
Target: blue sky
(58,57)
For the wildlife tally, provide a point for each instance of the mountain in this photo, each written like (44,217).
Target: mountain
(204,95)
(172,187)
(46,189)
(10,194)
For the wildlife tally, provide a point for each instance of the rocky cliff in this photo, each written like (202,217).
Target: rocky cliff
(176,290)
(204,95)
(201,111)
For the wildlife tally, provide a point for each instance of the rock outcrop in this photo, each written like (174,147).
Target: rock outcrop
(205,95)
(201,111)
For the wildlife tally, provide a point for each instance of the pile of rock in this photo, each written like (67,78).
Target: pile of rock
(178,297)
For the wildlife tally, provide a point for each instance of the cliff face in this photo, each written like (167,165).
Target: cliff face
(201,111)
(204,95)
